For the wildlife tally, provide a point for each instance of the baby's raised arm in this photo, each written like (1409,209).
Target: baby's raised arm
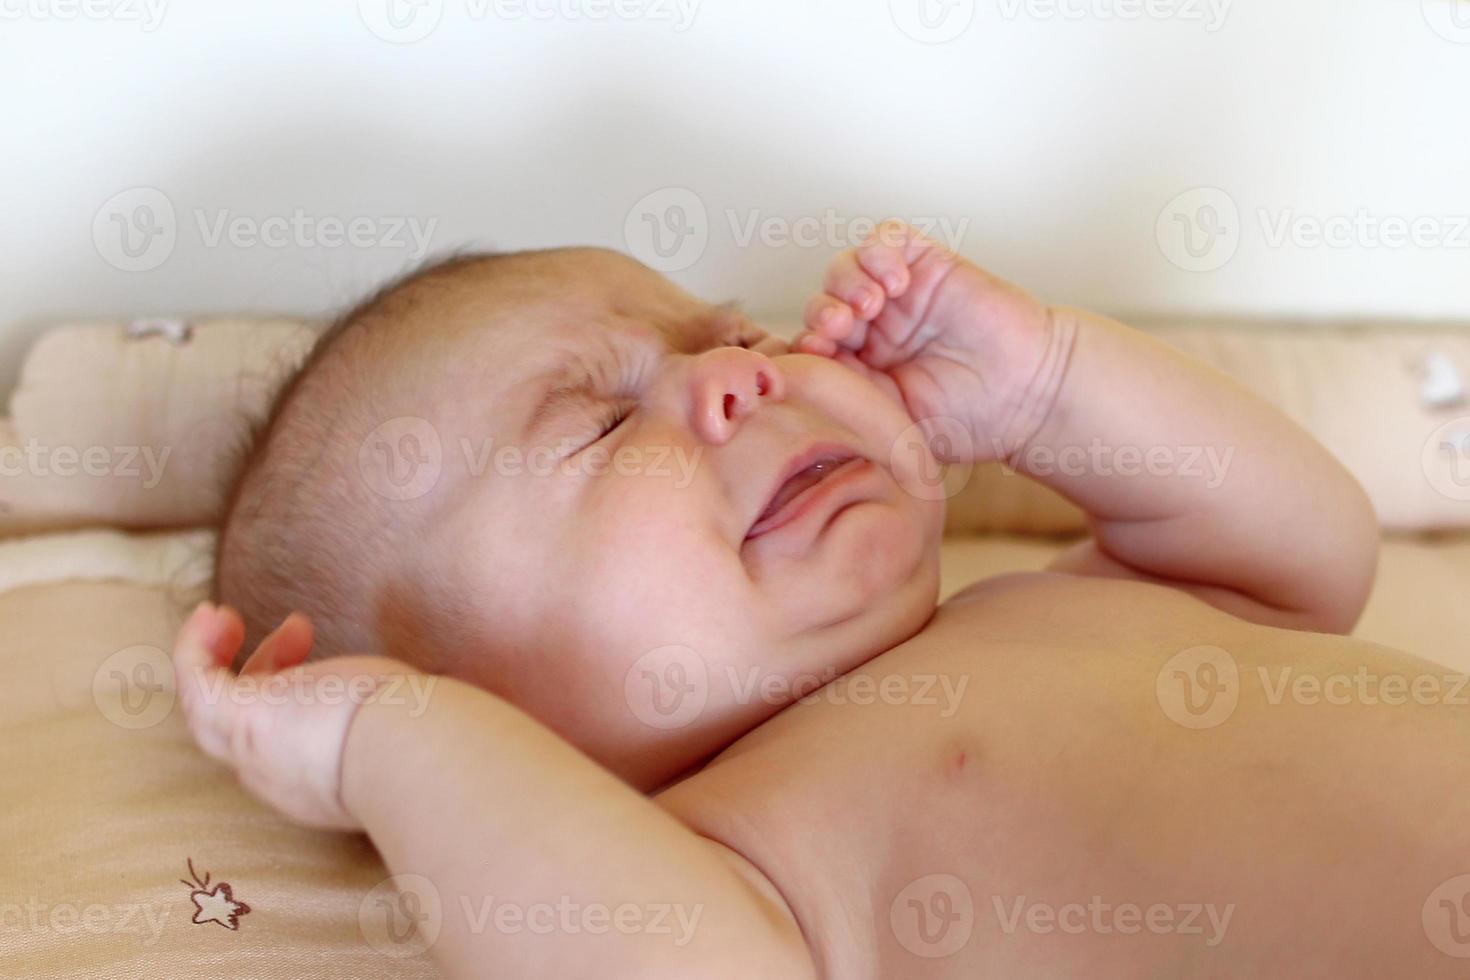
(458,786)
(1192,478)
(1184,474)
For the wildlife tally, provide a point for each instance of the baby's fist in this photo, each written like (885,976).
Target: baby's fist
(949,340)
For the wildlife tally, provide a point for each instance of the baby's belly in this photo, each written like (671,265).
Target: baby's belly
(1016,790)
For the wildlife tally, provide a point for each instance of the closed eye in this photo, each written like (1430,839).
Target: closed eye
(606,422)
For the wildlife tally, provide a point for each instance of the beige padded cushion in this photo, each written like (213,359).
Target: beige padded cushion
(1357,389)
(163,421)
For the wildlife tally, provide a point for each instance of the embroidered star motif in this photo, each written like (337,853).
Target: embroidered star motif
(215,904)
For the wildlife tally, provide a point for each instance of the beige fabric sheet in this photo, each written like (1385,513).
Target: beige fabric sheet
(108,802)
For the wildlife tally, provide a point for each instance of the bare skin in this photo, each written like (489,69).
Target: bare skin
(1101,770)
(1060,777)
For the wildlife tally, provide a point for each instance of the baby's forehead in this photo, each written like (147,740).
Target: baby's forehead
(509,334)
(588,308)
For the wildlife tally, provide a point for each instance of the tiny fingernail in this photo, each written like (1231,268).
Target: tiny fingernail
(210,628)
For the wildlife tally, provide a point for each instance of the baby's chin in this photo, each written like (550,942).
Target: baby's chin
(872,582)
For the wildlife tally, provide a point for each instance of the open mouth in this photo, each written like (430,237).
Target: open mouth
(802,486)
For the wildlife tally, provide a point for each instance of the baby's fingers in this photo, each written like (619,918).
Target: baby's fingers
(847,281)
(288,645)
(206,642)
(830,319)
(878,270)
(209,637)
(887,254)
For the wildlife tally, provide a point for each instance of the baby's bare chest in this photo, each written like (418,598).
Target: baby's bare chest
(904,810)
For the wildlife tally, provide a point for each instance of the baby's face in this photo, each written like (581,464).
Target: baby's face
(674,535)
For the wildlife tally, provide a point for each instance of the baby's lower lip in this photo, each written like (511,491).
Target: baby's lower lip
(810,499)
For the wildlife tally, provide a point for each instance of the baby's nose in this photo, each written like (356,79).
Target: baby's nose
(726,385)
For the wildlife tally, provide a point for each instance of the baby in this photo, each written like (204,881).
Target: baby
(614,532)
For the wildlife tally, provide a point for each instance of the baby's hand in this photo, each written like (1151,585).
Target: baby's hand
(946,338)
(281,726)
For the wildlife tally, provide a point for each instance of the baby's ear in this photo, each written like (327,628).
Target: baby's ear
(287,646)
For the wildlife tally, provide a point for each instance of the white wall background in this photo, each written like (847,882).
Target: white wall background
(1054,133)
